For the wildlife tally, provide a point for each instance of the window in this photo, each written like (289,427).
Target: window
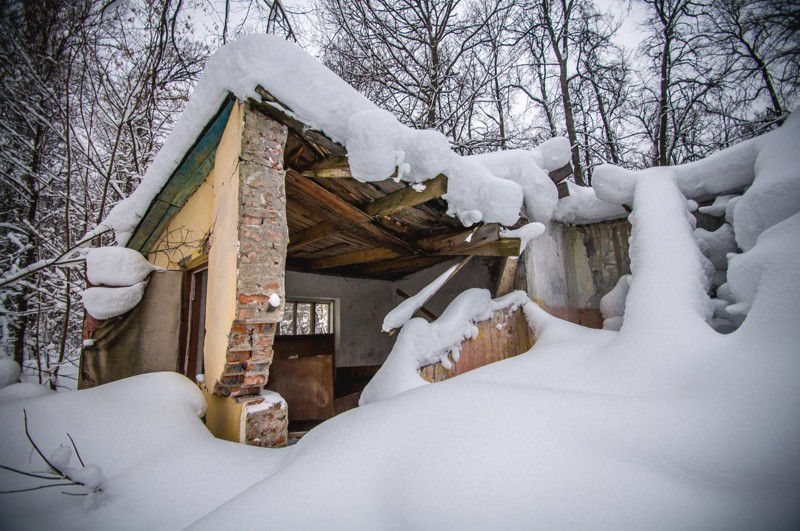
(304,318)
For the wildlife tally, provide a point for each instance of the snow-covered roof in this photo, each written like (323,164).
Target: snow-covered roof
(488,188)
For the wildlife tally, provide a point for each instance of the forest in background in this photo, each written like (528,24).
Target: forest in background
(89,91)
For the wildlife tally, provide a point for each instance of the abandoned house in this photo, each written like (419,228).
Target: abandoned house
(279,267)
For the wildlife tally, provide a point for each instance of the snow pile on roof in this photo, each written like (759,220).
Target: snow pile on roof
(484,188)
(665,424)
(582,206)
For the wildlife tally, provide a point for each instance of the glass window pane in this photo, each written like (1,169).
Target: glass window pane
(323,311)
(303,318)
(288,316)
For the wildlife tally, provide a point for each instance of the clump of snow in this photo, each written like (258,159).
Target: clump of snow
(612,304)
(105,303)
(724,172)
(717,208)
(555,153)
(400,315)
(775,194)
(117,266)
(489,189)
(583,206)
(275,300)
(717,246)
(526,169)
(9,371)
(421,343)
(526,233)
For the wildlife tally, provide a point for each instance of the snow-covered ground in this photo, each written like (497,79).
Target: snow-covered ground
(665,424)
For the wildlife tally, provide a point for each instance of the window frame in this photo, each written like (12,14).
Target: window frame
(333,321)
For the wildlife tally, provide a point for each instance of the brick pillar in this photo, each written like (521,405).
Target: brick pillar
(261,260)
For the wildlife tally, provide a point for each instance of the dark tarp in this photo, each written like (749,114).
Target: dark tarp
(146,339)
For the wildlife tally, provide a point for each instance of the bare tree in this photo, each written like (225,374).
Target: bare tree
(88,92)
(417,59)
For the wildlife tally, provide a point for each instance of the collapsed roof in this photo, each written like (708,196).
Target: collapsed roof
(367,196)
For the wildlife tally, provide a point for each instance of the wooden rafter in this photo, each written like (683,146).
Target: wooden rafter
(391,203)
(407,197)
(310,235)
(400,265)
(336,167)
(505,280)
(561,173)
(342,214)
(358,257)
(483,241)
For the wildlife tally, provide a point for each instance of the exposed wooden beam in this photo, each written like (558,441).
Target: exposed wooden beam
(505,280)
(401,264)
(483,241)
(422,309)
(358,257)
(450,275)
(563,189)
(561,173)
(316,140)
(310,235)
(407,197)
(345,216)
(336,167)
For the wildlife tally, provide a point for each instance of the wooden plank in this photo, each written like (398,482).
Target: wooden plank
(307,385)
(402,264)
(561,173)
(155,233)
(505,280)
(345,216)
(407,197)
(563,189)
(358,257)
(453,273)
(483,241)
(310,235)
(331,167)
(422,309)
(504,335)
(314,139)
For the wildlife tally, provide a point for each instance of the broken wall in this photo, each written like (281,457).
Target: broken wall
(570,268)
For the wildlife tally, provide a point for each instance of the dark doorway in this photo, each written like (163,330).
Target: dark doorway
(194,321)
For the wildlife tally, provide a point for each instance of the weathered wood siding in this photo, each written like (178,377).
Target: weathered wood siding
(505,335)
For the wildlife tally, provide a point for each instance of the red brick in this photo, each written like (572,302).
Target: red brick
(237,356)
(245,313)
(250,299)
(255,379)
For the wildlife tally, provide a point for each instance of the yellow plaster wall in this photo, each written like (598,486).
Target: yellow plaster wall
(222,256)
(183,238)
(213,210)
(223,417)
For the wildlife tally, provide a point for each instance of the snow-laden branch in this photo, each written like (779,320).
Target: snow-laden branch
(66,258)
